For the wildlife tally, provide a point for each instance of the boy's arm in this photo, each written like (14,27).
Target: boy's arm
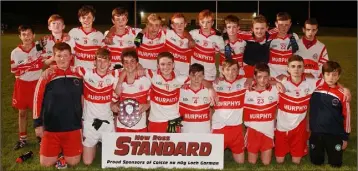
(14,68)
(108,39)
(323,58)
(220,45)
(346,120)
(191,41)
(280,87)
(213,95)
(38,98)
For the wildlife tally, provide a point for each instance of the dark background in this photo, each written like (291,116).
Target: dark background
(329,14)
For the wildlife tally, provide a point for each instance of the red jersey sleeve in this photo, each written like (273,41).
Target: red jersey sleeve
(346,117)
(38,96)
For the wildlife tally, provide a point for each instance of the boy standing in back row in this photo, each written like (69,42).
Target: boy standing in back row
(312,50)
(26,64)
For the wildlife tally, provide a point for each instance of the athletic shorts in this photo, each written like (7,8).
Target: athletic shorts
(23,94)
(70,142)
(91,136)
(158,127)
(294,141)
(233,138)
(131,130)
(256,141)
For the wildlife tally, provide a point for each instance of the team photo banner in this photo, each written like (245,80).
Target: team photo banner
(163,150)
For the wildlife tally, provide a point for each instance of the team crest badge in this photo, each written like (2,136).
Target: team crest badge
(95,41)
(270,99)
(335,102)
(108,81)
(76,82)
(315,56)
(205,43)
(238,86)
(206,100)
(307,90)
(338,147)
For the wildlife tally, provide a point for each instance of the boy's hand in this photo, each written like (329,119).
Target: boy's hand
(248,83)
(281,77)
(66,37)
(347,95)
(109,37)
(39,131)
(344,145)
(140,71)
(309,75)
(214,98)
(191,41)
(115,107)
(280,87)
(143,107)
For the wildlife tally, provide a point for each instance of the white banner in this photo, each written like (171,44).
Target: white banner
(154,150)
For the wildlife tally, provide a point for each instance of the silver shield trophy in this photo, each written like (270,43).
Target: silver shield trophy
(129,114)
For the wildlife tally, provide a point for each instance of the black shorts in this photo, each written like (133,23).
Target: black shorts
(321,143)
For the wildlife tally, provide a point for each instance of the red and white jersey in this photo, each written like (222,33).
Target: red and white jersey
(314,54)
(164,96)
(279,54)
(238,47)
(260,109)
(50,41)
(149,50)
(205,49)
(26,65)
(194,107)
(179,47)
(85,46)
(228,111)
(293,104)
(122,42)
(98,93)
(138,90)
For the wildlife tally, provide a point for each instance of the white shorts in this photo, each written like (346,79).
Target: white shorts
(91,136)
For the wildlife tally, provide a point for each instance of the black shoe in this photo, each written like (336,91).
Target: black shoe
(20,144)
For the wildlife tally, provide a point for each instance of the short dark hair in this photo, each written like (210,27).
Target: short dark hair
(261,67)
(119,11)
(230,62)
(165,55)
(331,66)
(283,16)
(25,27)
(129,53)
(295,58)
(195,67)
(103,53)
(311,21)
(61,46)
(85,9)
(231,19)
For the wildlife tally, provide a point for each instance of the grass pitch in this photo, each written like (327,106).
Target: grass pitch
(340,48)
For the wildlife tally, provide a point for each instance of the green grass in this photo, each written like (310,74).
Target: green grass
(342,49)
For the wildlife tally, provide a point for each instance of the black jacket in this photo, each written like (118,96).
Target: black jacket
(57,103)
